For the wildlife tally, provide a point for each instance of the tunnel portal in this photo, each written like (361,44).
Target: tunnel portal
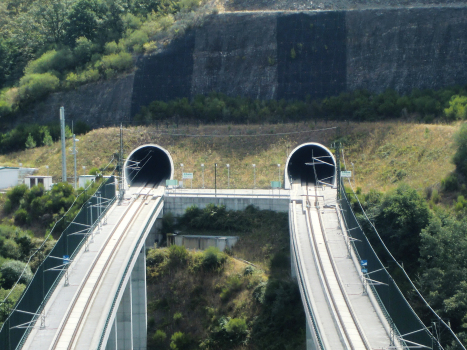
(308,159)
(148,165)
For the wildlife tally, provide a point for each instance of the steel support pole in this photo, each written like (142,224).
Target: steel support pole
(62,132)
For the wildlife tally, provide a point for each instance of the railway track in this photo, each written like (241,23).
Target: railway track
(139,201)
(350,329)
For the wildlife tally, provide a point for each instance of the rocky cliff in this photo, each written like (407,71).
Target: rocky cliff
(288,54)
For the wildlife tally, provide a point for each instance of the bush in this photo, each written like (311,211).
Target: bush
(36,86)
(233,284)
(10,249)
(450,183)
(118,62)
(457,108)
(50,61)
(213,258)
(12,270)
(237,329)
(178,255)
(179,341)
(21,217)
(460,157)
(155,257)
(87,76)
(16,193)
(159,337)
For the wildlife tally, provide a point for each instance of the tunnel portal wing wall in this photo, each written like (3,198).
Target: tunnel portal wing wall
(149,162)
(303,154)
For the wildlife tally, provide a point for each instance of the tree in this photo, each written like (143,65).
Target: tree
(403,215)
(30,143)
(51,16)
(460,157)
(47,141)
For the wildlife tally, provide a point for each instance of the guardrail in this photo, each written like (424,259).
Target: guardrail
(31,303)
(301,284)
(405,323)
(125,273)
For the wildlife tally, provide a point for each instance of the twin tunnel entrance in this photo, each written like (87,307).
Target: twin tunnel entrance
(151,165)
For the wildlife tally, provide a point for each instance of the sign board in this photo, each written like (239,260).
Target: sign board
(365,270)
(171,182)
(276,184)
(346,173)
(364,262)
(187,175)
(66,259)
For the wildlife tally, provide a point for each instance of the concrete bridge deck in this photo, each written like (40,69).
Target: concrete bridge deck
(343,314)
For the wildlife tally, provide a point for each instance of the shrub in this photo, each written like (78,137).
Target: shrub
(450,183)
(21,217)
(84,49)
(36,86)
(237,329)
(111,48)
(177,317)
(233,284)
(156,257)
(179,341)
(457,108)
(178,255)
(50,61)
(47,141)
(213,258)
(16,193)
(12,270)
(118,62)
(10,249)
(159,337)
(87,76)
(30,143)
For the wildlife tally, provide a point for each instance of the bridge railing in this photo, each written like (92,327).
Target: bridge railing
(127,271)
(405,323)
(47,276)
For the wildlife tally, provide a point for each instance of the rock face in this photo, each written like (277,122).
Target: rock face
(291,55)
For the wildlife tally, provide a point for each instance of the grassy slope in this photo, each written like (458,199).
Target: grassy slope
(384,154)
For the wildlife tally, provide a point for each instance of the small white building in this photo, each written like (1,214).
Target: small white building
(8,177)
(199,242)
(33,180)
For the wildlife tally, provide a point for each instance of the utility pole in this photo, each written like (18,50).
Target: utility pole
(228,175)
(202,168)
(338,168)
(62,131)
(215,180)
(74,157)
(120,165)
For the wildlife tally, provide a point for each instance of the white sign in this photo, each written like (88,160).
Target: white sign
(346,173)
(187,175)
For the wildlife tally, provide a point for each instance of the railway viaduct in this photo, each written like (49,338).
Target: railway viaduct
(98,297)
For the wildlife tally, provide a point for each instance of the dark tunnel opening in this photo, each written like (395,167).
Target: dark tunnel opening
(148,165)
(307,160)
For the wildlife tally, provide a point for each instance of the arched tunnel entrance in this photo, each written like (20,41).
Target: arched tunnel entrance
(308,162)
(148,165)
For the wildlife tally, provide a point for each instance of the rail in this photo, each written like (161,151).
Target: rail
(125,273)
(69,312)
(302,287)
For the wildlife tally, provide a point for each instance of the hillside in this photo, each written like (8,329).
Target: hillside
(384,153)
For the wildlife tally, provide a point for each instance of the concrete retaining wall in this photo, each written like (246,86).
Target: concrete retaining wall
(178,204)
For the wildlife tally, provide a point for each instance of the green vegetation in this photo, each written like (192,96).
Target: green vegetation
(227,307)
(49,45)
(27,218)
(32,135)
(263,234)
(427,105)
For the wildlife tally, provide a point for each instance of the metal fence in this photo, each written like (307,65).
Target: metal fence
(405,323)
(31,303)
